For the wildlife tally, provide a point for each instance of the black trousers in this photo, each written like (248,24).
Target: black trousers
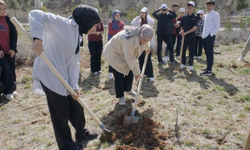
(110,69)
(173,38)
(208,44)
(8,76)
(63,109)
(167,39)
(149,66)
(198,46)
(178,46)
(190,44)
(122,83)
(95,49)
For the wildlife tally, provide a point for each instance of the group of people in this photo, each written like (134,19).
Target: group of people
(60,38)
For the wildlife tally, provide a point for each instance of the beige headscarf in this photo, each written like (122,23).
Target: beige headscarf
(145,31)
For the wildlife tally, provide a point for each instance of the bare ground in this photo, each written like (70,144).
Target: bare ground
(200,113)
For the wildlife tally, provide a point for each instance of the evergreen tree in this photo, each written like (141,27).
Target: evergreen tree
(131,14)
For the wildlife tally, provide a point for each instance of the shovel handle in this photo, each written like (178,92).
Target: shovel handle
(140,83)
(64,82)
(182,43)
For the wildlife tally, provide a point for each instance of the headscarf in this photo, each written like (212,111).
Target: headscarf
(85,16)
(115,22)
(145,31)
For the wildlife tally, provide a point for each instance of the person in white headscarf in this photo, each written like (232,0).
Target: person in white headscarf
(140,20)
(122,53)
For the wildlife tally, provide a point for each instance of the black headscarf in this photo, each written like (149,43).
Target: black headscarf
(85,16)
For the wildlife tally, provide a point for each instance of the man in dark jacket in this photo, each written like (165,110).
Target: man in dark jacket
(188,27)
(164,16)
(173,25)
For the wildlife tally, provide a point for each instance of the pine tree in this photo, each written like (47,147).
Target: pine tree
(131,14)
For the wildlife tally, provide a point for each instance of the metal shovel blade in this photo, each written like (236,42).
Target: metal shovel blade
(130,119)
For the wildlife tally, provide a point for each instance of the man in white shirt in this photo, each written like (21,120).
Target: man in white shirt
(211,27)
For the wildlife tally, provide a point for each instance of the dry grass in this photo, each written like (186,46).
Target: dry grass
(212,111)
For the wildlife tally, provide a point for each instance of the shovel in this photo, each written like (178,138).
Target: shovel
(132,119)
(182,43)
(58,75)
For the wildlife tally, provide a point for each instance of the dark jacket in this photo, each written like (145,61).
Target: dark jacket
(163,21)
(12,34)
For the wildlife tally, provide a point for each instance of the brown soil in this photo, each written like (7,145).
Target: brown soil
(234,66)
(141,103)
(247,64)
(220,65)
(143,135)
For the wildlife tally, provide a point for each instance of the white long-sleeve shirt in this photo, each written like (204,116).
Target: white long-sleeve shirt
(137,23)
(60,38)
(211,24)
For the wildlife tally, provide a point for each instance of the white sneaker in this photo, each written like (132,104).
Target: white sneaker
(191,68)
(122,101)
(195,57)
(165,58)
(152,79)
(100,71)
(9,96)
(198,57)
(133,93)
(110,76)
(178,57)
(182,66)
(95,73)
(241,58)
(14,93)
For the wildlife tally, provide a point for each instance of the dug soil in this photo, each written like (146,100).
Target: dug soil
(142,135)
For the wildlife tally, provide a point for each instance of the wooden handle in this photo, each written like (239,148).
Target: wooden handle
(140,82)
(180,62)
(247,146)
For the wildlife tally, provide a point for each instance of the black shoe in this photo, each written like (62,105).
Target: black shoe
(77,147)
(216,52)
(87,137)
(162,63)
(206,73)
(173,62)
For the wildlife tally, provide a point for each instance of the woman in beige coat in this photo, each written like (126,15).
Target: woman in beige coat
(122,53)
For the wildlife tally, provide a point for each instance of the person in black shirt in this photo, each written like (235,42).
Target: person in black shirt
(164,16)
(188,27)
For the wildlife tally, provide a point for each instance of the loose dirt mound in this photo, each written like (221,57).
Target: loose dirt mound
(143,135)
(234,66)
(247,65)
(220,65)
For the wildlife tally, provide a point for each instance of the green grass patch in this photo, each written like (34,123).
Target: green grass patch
(247,108)
(245,98)
(26,79)
(209,107)
(242,115)
(222,102)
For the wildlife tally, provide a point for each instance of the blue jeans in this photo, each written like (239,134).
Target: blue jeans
(208,44)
